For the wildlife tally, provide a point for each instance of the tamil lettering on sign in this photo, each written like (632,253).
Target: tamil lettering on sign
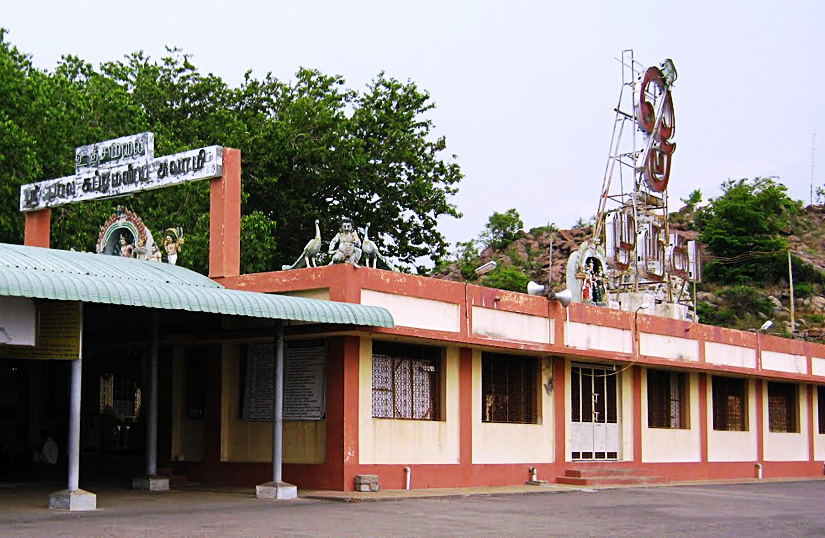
(122,179)
(304,381)
(135,149)
(260,374)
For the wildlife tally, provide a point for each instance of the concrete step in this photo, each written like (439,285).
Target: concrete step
(611,471)
(611,480)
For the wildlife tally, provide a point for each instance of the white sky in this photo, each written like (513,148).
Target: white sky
(525,91)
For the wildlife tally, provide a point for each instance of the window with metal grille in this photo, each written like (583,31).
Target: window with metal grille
(406,381)
(667,399)
(730,411)
(593,394)
(820,399)
(508,388)
(120,396)
(782,407)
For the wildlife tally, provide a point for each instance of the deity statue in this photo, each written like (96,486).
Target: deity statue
(592,287)
(154,253)
(345,247)
(586,277)
(172,241)
(125,247)
(139,251)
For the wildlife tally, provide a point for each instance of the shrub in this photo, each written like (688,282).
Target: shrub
(815,318)
(803,290)
(710,314)
(745,300)
(507,278)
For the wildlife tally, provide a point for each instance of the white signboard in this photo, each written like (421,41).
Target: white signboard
(123,179)
(134,149)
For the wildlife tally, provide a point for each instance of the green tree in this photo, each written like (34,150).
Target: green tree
(693,199)
(742,231)
(311,148)
(501,229)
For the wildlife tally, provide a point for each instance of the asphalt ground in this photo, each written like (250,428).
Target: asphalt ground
(768,508)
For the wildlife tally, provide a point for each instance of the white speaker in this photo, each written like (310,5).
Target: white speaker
(564,297)
(534,288)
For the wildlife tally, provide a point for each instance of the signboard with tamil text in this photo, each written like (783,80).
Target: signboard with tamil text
(134,149)
(304,381)
(120,167)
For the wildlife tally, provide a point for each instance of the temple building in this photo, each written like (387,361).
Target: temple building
(421,382)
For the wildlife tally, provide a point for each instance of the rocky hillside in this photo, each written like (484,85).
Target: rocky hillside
(531,253)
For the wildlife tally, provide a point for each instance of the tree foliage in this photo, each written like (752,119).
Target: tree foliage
(501,229)
(310,148)
(742,230)
(693,199)
(507,278)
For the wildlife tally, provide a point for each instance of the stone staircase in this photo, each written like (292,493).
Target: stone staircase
(609,477)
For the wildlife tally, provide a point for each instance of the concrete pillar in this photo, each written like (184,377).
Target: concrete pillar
(277,489)
(151,481)
(225,218)
(73,498)
(38,228)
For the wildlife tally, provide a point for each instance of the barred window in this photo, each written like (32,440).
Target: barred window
(406,381)
(730,404)
(508,388)
(782,407)
(593,394)
(667,399)
(820,398)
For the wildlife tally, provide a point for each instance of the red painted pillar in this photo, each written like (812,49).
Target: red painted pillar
(637,414)
(38,228)
(465,413)
(225,218)
(811,433)
(703,421)
(560,437)
(342,414)
(352,359)
(760,421)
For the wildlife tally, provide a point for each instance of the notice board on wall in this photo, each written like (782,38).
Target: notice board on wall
(304,381)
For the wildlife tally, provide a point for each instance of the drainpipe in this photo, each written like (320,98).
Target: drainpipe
(758,471)
(407,477)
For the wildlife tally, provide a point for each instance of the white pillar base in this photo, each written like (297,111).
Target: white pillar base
(276,490)
(76,500)
(151,483)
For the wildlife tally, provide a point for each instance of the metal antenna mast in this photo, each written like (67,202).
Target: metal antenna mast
(632,218)
(813,164)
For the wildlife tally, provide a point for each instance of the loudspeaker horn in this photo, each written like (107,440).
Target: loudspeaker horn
(564,297)
(534,288)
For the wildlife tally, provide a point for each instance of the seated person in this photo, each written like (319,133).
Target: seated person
(48,452)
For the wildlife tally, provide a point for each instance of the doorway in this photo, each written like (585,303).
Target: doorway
(595,429)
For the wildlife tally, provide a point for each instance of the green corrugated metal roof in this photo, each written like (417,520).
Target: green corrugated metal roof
(96,278)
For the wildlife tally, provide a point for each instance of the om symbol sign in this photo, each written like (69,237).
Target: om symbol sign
(657,121)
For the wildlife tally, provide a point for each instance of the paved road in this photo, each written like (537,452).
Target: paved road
(765,509)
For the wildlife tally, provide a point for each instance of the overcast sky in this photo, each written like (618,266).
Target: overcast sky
(525,91)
